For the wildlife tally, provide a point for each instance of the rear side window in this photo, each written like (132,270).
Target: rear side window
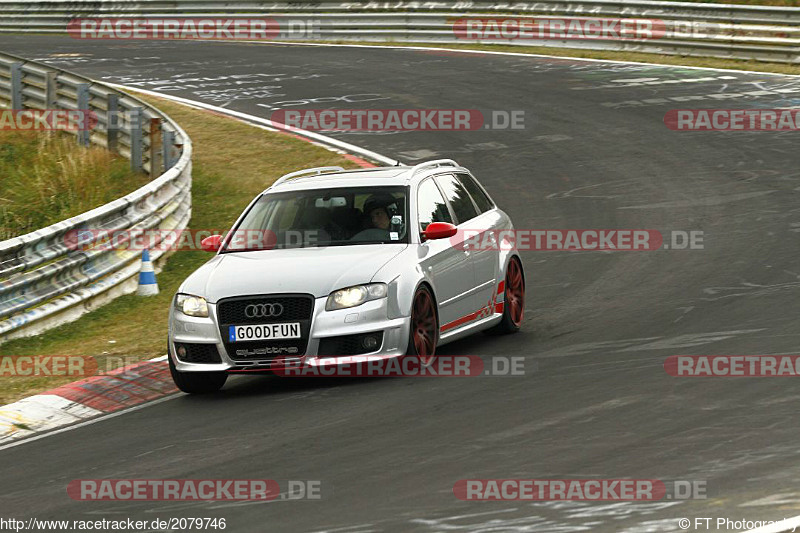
(431,206)
(459,198)
(483,202)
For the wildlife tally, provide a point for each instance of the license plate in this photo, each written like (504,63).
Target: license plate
(264,332)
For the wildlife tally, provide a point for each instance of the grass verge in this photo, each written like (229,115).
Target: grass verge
(45,178)
(232,163)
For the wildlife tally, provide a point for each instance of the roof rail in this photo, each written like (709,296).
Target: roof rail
(313,171)
(433,164)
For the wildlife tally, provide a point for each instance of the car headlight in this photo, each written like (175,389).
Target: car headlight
(357,295)
(191,305)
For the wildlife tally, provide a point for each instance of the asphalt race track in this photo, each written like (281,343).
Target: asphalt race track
(595,401)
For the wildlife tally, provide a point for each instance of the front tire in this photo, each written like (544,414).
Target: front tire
(514,305)
(197,382)
(424,330)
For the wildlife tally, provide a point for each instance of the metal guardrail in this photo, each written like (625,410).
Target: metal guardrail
(763,33)
(57,273)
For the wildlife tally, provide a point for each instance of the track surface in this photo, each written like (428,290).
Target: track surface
(595,154)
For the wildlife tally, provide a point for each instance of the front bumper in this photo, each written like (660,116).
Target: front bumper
(372,316)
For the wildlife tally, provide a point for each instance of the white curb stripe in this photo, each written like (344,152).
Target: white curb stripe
(40,413)
(90,422)
(21,420)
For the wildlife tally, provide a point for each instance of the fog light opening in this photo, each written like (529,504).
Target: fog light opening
(181,351)
(370,342)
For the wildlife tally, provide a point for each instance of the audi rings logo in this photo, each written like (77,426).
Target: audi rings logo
(263,310)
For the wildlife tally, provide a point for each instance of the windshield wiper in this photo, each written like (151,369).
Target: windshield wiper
(310,245)
(376,242)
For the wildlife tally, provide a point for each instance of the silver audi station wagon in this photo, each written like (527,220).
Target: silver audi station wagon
(329,263)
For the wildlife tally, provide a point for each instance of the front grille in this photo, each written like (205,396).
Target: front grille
(198,353)
(348,345)
(231,310)
(296,308)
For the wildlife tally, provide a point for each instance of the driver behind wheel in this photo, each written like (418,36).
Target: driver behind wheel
(379,208)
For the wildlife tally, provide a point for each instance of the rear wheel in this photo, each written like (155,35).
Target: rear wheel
(197,382)
(514,306)
(424,327)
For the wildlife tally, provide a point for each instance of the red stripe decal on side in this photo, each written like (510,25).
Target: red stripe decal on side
(501,287)
(498,308)
(457,322)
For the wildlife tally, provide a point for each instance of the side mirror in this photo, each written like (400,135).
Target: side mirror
(439,230)
(211,243)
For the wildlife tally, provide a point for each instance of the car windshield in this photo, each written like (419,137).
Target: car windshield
(323,217)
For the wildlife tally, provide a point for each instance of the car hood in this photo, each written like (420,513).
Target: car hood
(317,271)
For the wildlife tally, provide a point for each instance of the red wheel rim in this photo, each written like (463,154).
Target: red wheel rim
(515,292)
(423,326)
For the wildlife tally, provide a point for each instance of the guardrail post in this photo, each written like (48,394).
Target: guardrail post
(82,92)
(112,122)
(16,85)
(155,148)
(136,139)
(168,143)
(50,89)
